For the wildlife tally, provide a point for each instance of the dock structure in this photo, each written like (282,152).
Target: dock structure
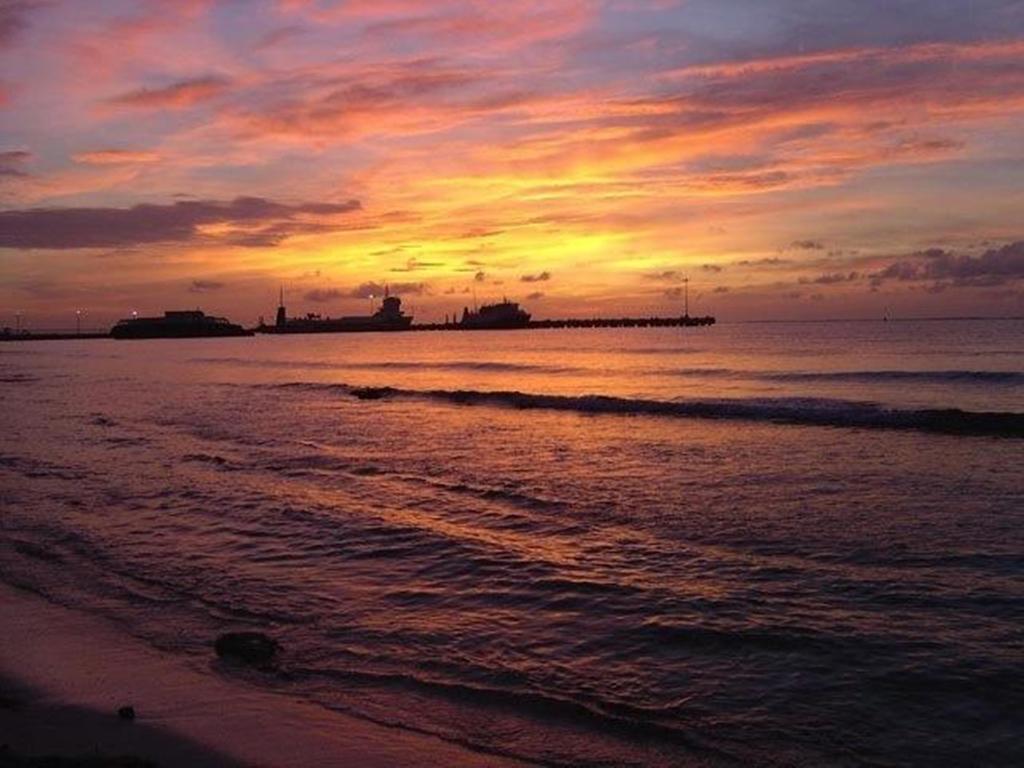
(391,322)
(52,335)
(684,321)
(504,316)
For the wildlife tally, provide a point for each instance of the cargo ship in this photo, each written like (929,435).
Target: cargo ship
(507,314)
(388,318)
(180,324)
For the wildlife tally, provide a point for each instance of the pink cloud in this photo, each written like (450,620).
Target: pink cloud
(397,98)
(180,95)
(478,27)
(487,28)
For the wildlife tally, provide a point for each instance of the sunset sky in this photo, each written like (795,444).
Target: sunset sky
(793,158)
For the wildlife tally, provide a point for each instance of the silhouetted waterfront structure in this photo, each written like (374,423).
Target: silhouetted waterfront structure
(282,316)
(180,324)
(388,318)
(684,321)
(8,334)
(504,315)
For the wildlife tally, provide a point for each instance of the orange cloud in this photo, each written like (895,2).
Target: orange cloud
(115,157)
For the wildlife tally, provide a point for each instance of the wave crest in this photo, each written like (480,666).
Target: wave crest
(798,411)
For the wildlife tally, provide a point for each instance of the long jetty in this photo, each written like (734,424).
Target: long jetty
(53,335)
(684,321)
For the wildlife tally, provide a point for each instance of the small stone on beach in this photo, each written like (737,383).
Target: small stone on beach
(250,647)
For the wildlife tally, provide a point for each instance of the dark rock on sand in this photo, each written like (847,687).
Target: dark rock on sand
(8,701)
(250,647)
(126,713)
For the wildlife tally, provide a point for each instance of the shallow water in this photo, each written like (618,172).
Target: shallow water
(767,543)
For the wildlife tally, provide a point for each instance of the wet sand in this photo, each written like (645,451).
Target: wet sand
(63,675)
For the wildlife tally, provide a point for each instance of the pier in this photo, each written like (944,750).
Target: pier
(53,335)
(328,326)
(684,321)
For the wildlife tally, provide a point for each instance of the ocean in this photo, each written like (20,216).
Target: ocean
(760,544)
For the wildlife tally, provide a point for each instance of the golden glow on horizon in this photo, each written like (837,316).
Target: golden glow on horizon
(487,148)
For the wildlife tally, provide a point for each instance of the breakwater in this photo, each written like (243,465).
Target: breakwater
(591,322)
(52,336)
(588,322)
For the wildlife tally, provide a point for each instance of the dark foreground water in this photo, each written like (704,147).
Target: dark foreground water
(749,544)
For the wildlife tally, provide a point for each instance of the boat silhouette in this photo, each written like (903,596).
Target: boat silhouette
(388,318)
(177,324)
(506,314)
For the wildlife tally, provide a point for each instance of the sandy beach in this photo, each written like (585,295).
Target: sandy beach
(64,674)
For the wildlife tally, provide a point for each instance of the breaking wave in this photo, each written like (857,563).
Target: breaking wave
(391,365)
(961,377)
(797,411)
(936,377)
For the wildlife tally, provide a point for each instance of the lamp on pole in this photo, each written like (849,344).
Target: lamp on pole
(78,322)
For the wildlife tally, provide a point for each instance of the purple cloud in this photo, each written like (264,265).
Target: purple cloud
(366,290)
(994,267)
(11,162)
(62,228)
(13,20)
(323,295)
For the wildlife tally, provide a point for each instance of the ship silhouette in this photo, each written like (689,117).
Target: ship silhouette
(506,314)
(177,324)
(388,318)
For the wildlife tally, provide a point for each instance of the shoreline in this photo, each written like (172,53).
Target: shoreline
(64,674)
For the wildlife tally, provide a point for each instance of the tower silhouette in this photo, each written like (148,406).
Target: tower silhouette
(281,316)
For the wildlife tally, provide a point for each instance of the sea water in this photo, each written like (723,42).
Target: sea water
(783,544)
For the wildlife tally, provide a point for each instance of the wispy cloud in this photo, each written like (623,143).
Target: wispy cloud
(371,289)
(179,95)
(323,295)
(540,277)
(12,162)
(116,157)
(205,286)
